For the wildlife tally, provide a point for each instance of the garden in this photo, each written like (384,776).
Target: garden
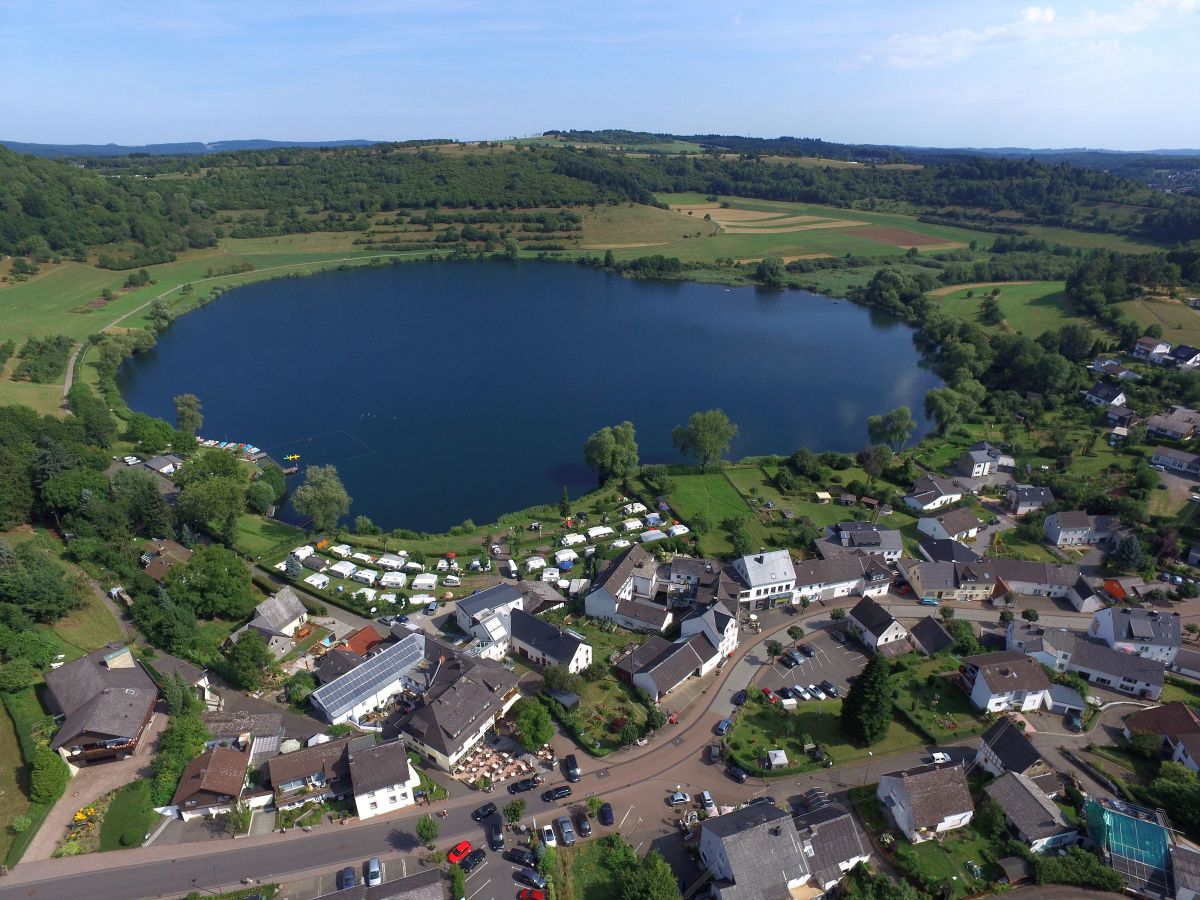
(925,693)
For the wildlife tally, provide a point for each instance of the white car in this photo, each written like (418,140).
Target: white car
(803,692)
(132,460)
(620,543)
(939,758)
(707,802)
(817,692)
(679,798)
(548,837)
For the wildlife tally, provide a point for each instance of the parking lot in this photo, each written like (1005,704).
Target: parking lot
(831,660)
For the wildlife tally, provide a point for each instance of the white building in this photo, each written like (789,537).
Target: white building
(874,625)
(927,800)
(1006,680)
(767,577)
(1146,632)
(382,780)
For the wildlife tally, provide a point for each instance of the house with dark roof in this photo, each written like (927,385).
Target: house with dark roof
(105,701)
(1174,460)
(1173,721)
(834,843)
(211,783)
(715,622)
(1151,349)
(1186,662)
(500,599)
(1075,528)
(874,625)
(949,580)
(276,619)
(658,666)
(1184,357)
(1006,748)
(1121,417)
(945,551)
(336,663)
(165,665)
(955,525)
(1146,632)
(983,458)
(926,801)
(310,775)
(627,593)
(371,686)
(1178,423)
(543,644)
(381,779)
(1104,394)
(1023,499)
(863,539)
(930,637)
(1031,818)
(736,847)
(930,492)
(464,697)
(1035,579)
(1004,680)
(159,557)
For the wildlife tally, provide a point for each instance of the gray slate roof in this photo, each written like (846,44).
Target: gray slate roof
(379,767)
(931,636)
(277,611)
(490,599)
(554,643)
(1012,746)
(226,725)
(871,616)
(1027,807)
(1028,493)
(935,792)
(958,521)
(98,700)
(751,836)
(835,837)
(944,550)
(336,663)
(1146,625)
(464,692)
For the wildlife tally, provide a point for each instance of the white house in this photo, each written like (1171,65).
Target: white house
(955,525)
(1151,349)
(1146,632)
(426,581)
(343,569)
(1065,651)
(927,800)
(874,625)
(1176,460)
(371,685)
(544,644)
(1004,680)
(736,847)
(930,492)
(717,624)
(767,578)
(382,780)
(1104,394)
(573,540)
(627,593)
(828,579)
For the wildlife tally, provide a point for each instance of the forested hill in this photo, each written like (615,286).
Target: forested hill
(164,204)
(61,151)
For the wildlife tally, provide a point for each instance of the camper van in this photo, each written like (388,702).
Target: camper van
(510,567)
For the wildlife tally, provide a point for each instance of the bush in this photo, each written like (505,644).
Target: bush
(21,823)
(49,777)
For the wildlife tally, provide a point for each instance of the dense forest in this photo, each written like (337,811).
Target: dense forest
(155,206)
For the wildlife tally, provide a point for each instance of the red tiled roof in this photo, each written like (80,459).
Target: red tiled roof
(362,640)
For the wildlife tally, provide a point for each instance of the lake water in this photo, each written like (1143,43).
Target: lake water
(454,390)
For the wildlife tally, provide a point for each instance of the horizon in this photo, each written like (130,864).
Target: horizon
(1104,74)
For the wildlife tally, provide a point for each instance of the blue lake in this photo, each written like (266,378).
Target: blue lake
(455,390)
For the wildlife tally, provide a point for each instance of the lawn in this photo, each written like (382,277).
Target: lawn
(634,225)
(1180,323)
(1176,691)
(128,818)
(945,861)
(590,879)
(88,627)
(714,495)
(760,727)
(1029,309)
(259,536)
(927,696)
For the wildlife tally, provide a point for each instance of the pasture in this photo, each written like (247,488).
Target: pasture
(1180,323)
(1029,308)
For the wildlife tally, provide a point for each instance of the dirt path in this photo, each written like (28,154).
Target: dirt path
(973,286)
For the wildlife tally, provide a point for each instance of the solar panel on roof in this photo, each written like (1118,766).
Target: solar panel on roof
(341,694)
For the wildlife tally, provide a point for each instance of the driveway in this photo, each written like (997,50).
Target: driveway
(90,784)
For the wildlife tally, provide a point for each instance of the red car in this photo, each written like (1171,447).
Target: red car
(461,849)
(530,894)
(770,695)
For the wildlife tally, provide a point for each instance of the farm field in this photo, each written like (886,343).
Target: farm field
(1180,323)
(1029,308)
(1089,240)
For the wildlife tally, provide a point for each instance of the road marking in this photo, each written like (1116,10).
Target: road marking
(626,816)
(481,887)
(403,868)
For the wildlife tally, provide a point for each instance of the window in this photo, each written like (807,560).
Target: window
(374,805)
(392,800)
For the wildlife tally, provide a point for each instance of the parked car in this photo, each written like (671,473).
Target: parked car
(765,798)
(495,836)
(606,814)
(431,609)
(938,758)
(829,687)
(929,601)
(837,636)
(473,860)
(531,894)
(374,872)
(817,692)
(808,650)
(788,661)
(458,852)
(714,752)
(521,857)
(557,793)
(738,774)
(347,879)
(548,837)
(723,727)
(1074,722)
(531,878)
(801,692)
(571,767)
(678,798)
(770,695)
(520,787)
(567,832)
(738,699)
(707,802)
(485,811)
(583,825)
(784,693)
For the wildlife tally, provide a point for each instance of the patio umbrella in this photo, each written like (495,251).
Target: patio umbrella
(451,555)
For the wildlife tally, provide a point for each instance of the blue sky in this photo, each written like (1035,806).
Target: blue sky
(1099,73)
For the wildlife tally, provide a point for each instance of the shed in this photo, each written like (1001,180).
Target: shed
(846,499)
(823,496)
(1065,699)
(1016,868)
(776,759)
(343,569)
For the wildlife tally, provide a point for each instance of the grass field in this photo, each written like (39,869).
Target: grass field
(259,536)
(713,495)
(1091,240)
(1180,323)
(1029,309)
(89,627)
(128,814)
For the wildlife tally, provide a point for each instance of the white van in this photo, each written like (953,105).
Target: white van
(451,581)
(511,569)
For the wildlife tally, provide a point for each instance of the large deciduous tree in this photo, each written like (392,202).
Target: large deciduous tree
(612,453)
(215,582)
(322,497)
(892,429)
(534,726)
(705,437)
(188,413)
